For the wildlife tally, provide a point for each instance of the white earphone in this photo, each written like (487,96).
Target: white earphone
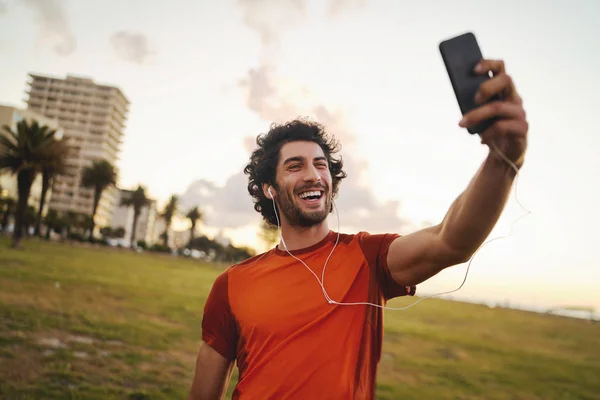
(270,194)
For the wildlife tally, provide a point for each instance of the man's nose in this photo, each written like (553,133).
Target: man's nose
(312,174)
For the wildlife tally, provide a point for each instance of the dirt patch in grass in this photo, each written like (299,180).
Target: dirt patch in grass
(23,364)
(59,359)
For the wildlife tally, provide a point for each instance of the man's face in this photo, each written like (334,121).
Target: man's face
(304,183)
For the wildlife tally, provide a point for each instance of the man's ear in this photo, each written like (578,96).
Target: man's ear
(268,191)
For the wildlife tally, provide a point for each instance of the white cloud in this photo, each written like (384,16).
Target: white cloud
(131,47)
(54,24)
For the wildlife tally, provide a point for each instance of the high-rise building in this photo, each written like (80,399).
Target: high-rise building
(93,117)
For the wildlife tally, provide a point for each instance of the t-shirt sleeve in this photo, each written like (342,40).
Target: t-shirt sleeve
(219,328)
(375,248)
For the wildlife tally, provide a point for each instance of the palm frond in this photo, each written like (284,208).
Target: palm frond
(137,199)
(26,147)
(99,175)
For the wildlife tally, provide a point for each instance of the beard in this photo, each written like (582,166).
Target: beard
(289,204)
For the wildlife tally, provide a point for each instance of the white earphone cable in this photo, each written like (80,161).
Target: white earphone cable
(322,280)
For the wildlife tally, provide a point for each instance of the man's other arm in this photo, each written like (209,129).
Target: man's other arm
(212,375)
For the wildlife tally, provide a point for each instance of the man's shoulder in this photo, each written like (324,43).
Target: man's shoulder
(370,238)
(369,244)
(374,244)
(222,279)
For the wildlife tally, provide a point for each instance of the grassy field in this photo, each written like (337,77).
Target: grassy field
(91,323)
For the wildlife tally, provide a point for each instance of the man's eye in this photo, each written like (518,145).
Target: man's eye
(295,166)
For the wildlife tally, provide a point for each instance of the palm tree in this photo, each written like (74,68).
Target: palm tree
(137,200)
(194,215)
(55,163)
(22,153)
(168,214)
(98,176)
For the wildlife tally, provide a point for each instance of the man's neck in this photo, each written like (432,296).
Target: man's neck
(297,238)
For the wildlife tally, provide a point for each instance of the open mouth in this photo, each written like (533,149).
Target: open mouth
(311,196)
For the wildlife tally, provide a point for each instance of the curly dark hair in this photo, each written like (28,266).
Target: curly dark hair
(263,161)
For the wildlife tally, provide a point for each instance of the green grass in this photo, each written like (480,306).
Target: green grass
(97,323)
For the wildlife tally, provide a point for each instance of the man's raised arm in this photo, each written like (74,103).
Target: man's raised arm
(415,258)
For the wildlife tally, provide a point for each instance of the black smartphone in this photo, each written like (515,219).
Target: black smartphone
(461,54)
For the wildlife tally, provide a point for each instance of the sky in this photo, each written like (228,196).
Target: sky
(204,78)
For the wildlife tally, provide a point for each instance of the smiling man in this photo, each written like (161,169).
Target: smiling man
(278,315)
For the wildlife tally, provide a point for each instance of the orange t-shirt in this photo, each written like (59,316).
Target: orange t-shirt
(269,313)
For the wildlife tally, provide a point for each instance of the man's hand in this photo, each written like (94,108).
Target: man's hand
(509,133)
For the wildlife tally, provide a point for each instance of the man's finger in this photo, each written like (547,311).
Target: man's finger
(495,109)
(494,66)
(501,84)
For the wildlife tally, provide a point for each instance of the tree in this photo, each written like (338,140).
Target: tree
(119,232)
(29,219)
(168,214)
(71,220)
(269,233)
(53,222)
(110,232)
(137,200)
(22,152)
(194,215)
(7,207)
(55,163)
(100,175)
(87,223)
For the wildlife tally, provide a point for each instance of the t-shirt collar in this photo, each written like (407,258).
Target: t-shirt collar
(328,238)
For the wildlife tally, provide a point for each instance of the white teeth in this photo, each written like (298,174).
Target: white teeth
(306,194)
